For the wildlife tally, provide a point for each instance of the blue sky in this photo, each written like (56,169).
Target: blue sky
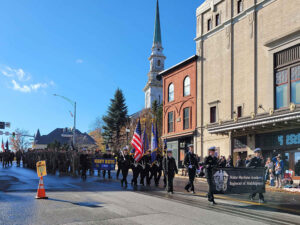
(85,50)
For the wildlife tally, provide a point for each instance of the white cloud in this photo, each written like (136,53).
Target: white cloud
(28,88)
(19,79)
(18,87)
(79,61)
(15,73)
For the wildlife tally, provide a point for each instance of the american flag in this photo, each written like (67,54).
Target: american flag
(137,142)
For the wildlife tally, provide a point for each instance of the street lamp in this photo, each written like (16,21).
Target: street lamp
(73,103)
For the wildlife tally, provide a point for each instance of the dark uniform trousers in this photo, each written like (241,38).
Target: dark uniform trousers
(192,174)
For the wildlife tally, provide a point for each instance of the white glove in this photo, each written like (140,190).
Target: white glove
(190,166)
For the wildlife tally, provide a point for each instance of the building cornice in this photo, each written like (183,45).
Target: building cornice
(234,19)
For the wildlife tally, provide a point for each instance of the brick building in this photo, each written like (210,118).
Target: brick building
(179,106)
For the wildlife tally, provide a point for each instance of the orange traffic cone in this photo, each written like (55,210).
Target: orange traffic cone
(41,193)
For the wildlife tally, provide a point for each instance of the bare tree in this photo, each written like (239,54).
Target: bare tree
(20,141)
(97,125)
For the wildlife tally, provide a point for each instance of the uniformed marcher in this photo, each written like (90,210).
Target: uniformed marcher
(107,155)
(210,162)
(170,168)
(256,162)
(119,162)
(125,161)
(191,163)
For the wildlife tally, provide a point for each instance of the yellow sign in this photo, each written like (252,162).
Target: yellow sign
(41,168)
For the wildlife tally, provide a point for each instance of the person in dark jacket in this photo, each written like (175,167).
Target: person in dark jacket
(125,161)
(191,163)
(256,162)
(107,155)
(84,164)
(210,162)
(239,162)
(170,168)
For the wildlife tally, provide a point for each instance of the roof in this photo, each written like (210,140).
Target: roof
(56,135)
(182,63)
(208,4)
(157,31)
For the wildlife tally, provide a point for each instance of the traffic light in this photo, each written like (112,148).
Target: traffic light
(2,125)
(13,134)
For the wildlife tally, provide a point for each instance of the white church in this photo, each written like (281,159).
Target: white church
(154,88)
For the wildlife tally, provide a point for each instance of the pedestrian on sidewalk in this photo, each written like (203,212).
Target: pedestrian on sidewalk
(278,172)
(269,167)
(170,168)
(210,162)
(191,163)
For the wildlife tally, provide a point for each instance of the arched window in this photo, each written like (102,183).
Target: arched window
(187,86)
(171,92)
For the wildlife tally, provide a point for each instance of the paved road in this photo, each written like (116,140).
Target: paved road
(99,201)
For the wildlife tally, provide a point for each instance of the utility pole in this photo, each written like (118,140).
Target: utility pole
(73,103)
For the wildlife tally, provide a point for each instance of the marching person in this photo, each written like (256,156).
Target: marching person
(210,162)
(191,163)
(170,168)
(119,162)
(125,162)
(107,155)
(256,162)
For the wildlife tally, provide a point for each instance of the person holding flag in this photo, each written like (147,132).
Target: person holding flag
(154,171)
(138,153)
(146,160)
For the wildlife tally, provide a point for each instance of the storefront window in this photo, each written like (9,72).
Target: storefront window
(286,161)
(297,163)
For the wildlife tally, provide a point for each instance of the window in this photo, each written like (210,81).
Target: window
(170,122)
(171,93)
(187,86)
(158,63)
(218,20)
(209,25)
(295,84)
(186,118)
(287,77)
(213,114)
(239,6)
(239,111)
(281,88)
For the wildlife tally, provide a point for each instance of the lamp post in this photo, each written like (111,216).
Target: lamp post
(73,103)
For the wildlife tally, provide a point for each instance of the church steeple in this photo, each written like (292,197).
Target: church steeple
(157,32)
(153,89)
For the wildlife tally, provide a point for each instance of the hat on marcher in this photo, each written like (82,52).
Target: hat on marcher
(257,150)
(169,150)
(213,148)
(190,145)
(125,148)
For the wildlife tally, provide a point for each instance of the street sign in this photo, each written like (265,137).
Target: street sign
(7,133)
(2,125)
(67,135)
(41,168)
(7,124)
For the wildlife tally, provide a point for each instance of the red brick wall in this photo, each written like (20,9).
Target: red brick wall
(180,102)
